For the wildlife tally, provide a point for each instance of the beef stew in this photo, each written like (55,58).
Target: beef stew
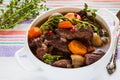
(69,40)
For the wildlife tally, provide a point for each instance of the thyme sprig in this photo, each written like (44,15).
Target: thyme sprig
(16,12)
(92,11)
(52,22)
(84,24)
(48,58)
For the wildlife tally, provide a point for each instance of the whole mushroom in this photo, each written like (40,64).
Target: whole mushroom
(96,40)
(77,60)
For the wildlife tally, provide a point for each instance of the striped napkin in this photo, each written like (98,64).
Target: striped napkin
(13,39)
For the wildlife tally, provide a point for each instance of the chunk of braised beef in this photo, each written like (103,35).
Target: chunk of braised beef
(64,63)
(51,37)
(80,34)
(89,28)
(41,51)
(82,13)
(85,18)
(56,42)
(59,45)
(65,33)
(63,55)
(93,57)
(35,42)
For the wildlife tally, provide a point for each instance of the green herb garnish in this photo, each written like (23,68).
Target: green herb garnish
(48,58)
(84,24)
(92,11)
(16,12)
(52,22)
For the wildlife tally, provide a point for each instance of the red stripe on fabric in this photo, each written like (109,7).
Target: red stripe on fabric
(12,32)
(3,40)
(15,40)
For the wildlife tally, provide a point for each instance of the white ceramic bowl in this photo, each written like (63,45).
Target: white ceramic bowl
(84,73)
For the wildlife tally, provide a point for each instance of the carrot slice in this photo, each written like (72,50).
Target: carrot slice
(34,32)
(65,24)
(77,47)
